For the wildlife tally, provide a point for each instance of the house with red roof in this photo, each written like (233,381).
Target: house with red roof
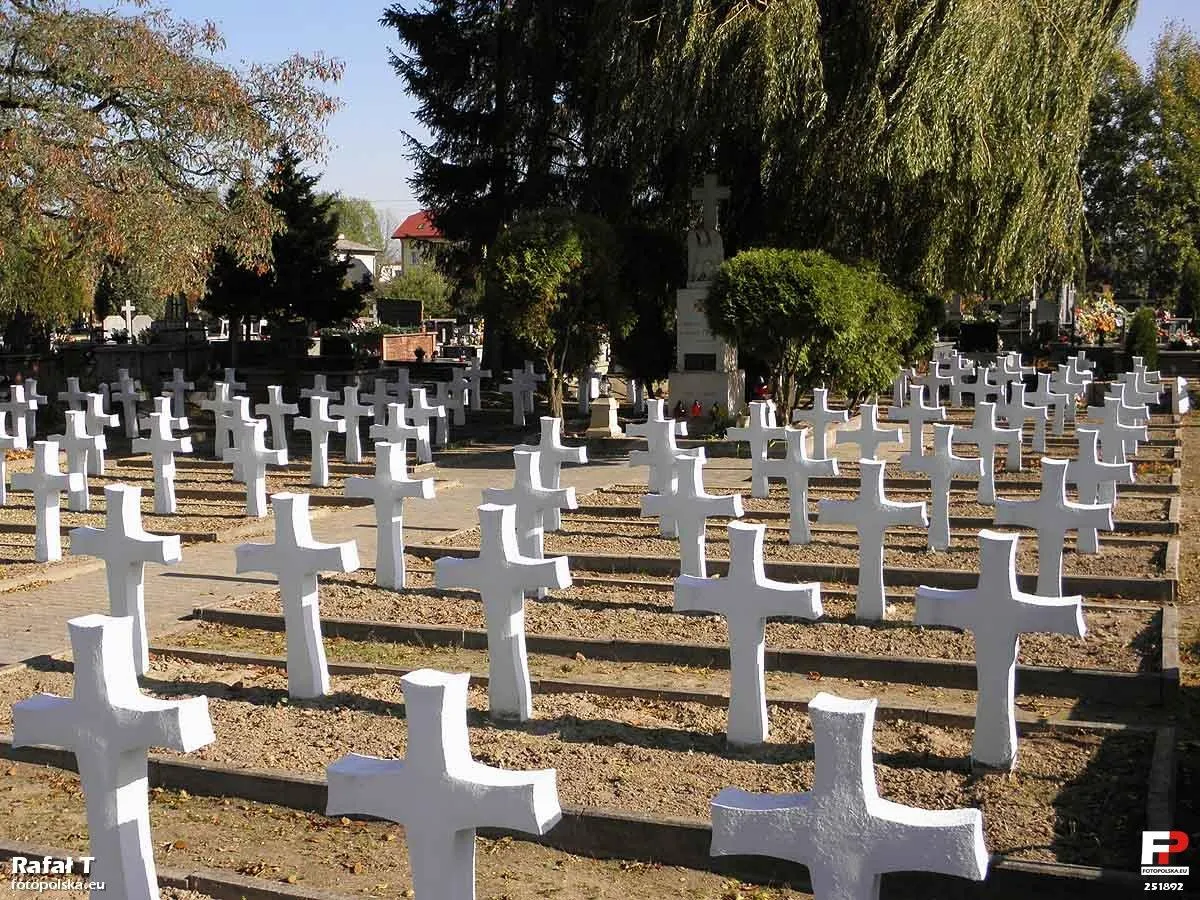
(417,235)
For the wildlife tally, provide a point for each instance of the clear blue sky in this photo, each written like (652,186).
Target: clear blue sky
(366,157)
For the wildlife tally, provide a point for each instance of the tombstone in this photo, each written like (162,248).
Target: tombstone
(1055,402)
(456,390)
(113,324)
(73,396)
(8,442)
(240,422)
(934,380)
(1081,367)
(78,444)
(128,395)
(997,614)
(351,411)
(441,400)
(438,792)
(295,559)
(395,428)
(532,500)
(319,389)
(986,435)
(842,830)
(95,421)
(17,407)
(419,413)
(747,598)
(319,426)
(552,453)
(1131,393)
(604,422)
(1052,515)
(868,435)
(502,575)
(230,378)
(475,376)
(1096,482)
(690,507)
(177,389)
(46,482)
(126,547)
(220,405)
(1118,438)
(1016,412)
(1181,399)
(985,387)
(34,401)
(275,411)
(758,434)
(796,468)
(916,414)
(942,466)
(388,490)
(819,418)
(661,456)
(250,457)
(1063,383)
(162,445)
(522,387)
(871,513)
(403,386)
(960,369)
(1133,411)
(109,724)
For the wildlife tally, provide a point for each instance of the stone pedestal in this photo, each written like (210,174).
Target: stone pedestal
(705,366)
(604,419)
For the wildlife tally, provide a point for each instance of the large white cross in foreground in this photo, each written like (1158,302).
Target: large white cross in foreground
(502,575)
(997,614)
(747,598)
(841,829)
(295,559)
(126,547)
(438,792)
(109,724)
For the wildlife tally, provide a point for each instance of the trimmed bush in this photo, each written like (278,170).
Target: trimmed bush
(1142,337)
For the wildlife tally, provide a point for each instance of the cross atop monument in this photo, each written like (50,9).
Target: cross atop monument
(710,193)
(129,310)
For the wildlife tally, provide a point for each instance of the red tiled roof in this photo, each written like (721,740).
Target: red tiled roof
(418,225)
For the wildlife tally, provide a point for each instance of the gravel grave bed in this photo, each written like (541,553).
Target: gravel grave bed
(195,515)
(962,503)
(1077,798)
(1117,639)
(905,548)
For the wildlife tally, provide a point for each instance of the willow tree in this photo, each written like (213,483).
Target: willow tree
(117,133)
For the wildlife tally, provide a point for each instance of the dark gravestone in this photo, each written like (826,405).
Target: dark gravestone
(700,362)
(401,313)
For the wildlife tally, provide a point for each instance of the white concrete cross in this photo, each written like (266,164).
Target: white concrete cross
(395,428)
(872,514)
(530,380)
(475,376)
(934,379)
(438,792)
(552,453)
(1096,481)
(351,410)
(8,442)
(240,423)
(1147,382)
(986,386)
(1011,369)
(1118,437)
(177,389)
(276,412)
(819,418)
(402,386)
(690,507)
(710,193)
(502,575)
(1015,412)
(517,387)
(986,435)
(441,399)
(128,309)
(96,421)
(250,457)
(319,426)
(997,614)
(1063,382)
(35,401)
(758,434)
(1081,367)
(842,830)
(900,385)
(942,466)
(109,724)
(961,368)
(796,468)
(589,389)
(458,390)
(388,491)
(419,413)
(747,598)
(162,445)
(661,455)
(17,408)
(78,444)
(379,399)
(1133,411)
(1133,394)
(127,394)
(319,389)
(126,547)
(1055,402)
(105,391)
(46,482)
(221,407)
(916,414)
(295,559)
(1052,515)
(868,435)
(532,500)
(73,396)
(230,378)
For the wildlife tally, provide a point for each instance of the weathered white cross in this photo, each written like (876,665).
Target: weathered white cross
(420,412)
(868,435)
(319,426)
(295,559)
(35,401)
(986,386)
(351,410)
(250,458)
(177,389)
(819,418)
(796,468)
(46,482)
(960,369)
(395,428)
(78,444)
(916,415)
(502,575)
(9,442)
(438,792)
(1096,481)
(319,389)
(942,466)
(690,507)
(96,421)
(128,395)
(522,387)
(1057,403)
(379,399)
(220,404)
(758,434)
(552,454)
(1133,411)
(230,378)
(661,455)
(1015,411)
(1118,438)
(276,412)
(475,376)
(747,598)
(17,407)
(1072,388)
(73,396)
(986,435)
(162,445)
(997,614)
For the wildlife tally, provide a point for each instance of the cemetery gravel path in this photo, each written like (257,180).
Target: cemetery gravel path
(36,618)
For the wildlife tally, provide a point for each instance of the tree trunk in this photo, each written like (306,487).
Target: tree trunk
(554,385)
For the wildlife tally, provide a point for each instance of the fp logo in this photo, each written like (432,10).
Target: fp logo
(1159,846)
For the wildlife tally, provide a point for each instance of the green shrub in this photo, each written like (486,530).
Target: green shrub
(1142,337)
(814,320)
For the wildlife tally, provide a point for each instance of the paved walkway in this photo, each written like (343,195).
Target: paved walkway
(35,619)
